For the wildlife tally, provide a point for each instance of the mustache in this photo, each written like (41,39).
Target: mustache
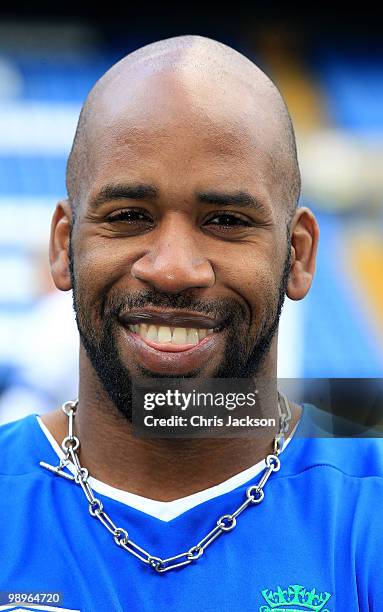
(228,309)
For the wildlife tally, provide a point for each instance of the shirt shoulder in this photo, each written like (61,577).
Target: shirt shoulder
(322,440)
(21,445)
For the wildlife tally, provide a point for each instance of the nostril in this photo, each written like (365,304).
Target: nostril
(173,275)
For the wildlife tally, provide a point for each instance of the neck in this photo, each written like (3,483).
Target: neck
(160,469)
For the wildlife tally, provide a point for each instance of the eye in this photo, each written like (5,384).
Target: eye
(130,216)
(227,220)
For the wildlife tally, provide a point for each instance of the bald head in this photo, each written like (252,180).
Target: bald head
(196,79)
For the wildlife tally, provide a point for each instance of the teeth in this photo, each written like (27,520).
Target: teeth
(152,333)
(174,335)
(142,330)
(179,335)
(192,336)
(164,334)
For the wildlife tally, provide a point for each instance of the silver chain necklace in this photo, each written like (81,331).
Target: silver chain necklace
(225,523)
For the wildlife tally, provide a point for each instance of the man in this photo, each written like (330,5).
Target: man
(180,238)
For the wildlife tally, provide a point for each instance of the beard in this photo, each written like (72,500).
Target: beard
(243,357)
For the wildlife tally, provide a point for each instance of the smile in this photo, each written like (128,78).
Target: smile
(178,348)
(182,338)
(164,337)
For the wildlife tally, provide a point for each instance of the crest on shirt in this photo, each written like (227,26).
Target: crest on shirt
(295,598)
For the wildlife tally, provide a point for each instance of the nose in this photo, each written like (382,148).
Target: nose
(173,261)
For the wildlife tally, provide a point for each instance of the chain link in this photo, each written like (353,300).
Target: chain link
(225,523)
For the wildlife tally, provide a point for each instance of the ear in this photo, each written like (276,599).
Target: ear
(59,245)
(304,245)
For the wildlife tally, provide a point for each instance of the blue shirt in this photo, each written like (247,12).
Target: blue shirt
(314,542)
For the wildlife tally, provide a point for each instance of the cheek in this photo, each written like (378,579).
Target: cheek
(101,262)
(98,268)
(253,275)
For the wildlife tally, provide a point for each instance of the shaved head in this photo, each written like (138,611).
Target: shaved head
(196,74)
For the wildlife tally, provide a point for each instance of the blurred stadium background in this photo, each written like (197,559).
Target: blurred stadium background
(332,80)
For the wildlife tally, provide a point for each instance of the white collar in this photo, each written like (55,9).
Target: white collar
(162,510)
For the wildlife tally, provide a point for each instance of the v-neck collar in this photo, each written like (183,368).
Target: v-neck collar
(166,510)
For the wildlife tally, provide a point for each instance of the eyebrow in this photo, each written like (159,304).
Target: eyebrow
(241,199)
(142,191)
(136,191)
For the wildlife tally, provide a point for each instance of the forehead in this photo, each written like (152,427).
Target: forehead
(181,125)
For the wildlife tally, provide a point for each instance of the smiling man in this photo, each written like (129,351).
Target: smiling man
(180,238)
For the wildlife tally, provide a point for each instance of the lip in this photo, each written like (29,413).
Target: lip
(171,359)
(171,318)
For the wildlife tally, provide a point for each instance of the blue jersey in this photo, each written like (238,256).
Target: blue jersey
(314,543)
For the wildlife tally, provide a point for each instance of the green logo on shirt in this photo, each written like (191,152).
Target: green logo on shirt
(294,598)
